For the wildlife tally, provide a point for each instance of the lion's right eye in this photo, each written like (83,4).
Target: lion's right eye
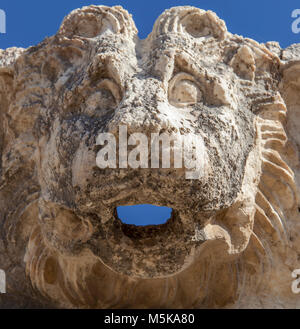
(184,90)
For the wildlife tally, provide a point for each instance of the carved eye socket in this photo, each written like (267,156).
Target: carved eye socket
(184,90)
(106,97)
(110,89)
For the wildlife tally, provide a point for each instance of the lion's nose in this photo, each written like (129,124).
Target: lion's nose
(136,119)
(143,108)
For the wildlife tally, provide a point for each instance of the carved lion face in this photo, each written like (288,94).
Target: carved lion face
(189,77)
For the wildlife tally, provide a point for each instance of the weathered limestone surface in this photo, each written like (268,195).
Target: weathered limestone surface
(233,239)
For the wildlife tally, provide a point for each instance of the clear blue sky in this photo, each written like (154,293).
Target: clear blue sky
(30,21)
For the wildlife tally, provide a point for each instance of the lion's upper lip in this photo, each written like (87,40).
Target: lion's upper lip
(120,196)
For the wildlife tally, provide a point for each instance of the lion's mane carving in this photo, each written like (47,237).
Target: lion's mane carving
(61,243)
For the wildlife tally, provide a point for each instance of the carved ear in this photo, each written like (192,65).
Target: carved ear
(93,21)
(252,60)
(192,21)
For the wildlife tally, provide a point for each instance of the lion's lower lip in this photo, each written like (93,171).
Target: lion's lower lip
(144,251)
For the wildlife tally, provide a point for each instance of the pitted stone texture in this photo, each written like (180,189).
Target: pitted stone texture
(232,239)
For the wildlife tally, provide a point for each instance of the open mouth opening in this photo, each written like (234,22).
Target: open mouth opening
(145,240)
(144,214)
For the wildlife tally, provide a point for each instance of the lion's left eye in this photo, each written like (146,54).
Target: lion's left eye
(106,97)
(184,90)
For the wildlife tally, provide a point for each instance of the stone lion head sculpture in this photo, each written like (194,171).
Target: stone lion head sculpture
(231,239)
